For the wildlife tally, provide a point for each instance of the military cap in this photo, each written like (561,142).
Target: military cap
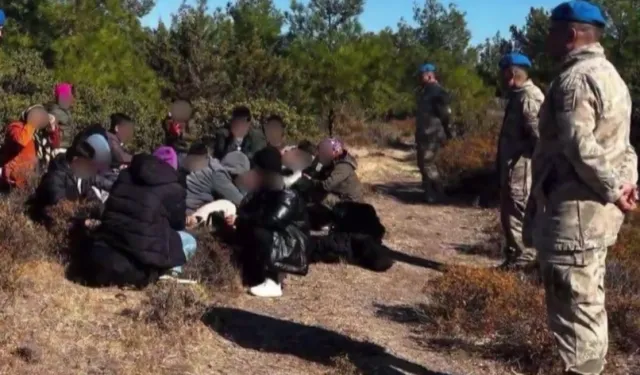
(579,11)
(514,58)
(427,68)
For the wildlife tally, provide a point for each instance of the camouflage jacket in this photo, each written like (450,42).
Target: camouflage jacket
(518,138)
(583,156)
(432,113)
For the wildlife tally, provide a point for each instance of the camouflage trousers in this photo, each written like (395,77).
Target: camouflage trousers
(511,217)
(426,152)
(575,307)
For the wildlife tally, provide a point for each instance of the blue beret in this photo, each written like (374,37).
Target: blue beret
(2,17)
(579,11)
(427,68)
(514,58)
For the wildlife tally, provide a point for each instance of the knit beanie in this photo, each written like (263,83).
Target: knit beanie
(63,90)
(2,18)
(236,163)
(269,159)
(168,155)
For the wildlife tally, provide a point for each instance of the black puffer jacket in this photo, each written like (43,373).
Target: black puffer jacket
(59,183)
(282,213)
(138,239)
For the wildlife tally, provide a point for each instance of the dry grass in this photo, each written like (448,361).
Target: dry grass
(495,314)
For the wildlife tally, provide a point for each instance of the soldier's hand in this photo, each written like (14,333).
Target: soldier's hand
(627,201)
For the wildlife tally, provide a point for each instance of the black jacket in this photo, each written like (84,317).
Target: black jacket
(59,183)
(253,142)
(282,213)
(138,239)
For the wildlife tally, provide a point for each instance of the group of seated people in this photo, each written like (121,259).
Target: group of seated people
(263,195)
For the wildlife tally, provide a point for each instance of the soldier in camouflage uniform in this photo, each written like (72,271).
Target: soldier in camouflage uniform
(432,130)
(584,177)
(517,141)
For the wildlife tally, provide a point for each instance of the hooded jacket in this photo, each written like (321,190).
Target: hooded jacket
(138,239)
(18,155)
(340,179)
(65,124)
(209,184)
(60,183)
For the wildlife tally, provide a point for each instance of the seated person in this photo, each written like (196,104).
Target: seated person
(141,236)
(337,180)
(274,132)
(180,130)
(238,136)
(20,155)
(120,133)
(295,161)
(214,185)
(271,228)
(70,177)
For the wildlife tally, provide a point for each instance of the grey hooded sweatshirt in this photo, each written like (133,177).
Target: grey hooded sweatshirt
(215,181)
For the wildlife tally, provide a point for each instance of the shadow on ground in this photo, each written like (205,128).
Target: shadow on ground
(315,344)
(416,261)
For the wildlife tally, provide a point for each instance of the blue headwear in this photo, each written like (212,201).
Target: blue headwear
(427,68)
(579,11)
(2,18)
(514,59)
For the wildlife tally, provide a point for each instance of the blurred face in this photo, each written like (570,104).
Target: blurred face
(1,32)
(84,168)
(274,132)
(125,131)
(196,162)
(249,181)
(325,155)
(38,117)
(560,39)
(65,101)
(428,77)
(240,128)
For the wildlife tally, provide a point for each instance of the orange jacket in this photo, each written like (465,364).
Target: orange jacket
(18,154)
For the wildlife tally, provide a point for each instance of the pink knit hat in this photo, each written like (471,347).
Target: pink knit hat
(63,90)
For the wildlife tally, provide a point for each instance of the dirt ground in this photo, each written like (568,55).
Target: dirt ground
(339,319)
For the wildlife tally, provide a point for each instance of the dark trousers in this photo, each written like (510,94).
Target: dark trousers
(255,251)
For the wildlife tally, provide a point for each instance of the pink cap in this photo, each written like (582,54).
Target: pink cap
(64,90)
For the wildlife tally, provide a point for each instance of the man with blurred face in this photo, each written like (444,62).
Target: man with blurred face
(432,129)
(517,141)
(19,153)
(584,180)
(274,132)
(239,136)
(120,133)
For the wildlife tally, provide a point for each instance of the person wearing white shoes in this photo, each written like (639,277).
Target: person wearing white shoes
(271,229)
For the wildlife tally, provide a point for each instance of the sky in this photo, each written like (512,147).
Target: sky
(484,17)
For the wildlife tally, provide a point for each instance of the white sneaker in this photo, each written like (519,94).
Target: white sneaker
(267,289)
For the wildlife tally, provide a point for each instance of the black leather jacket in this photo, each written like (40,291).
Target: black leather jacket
(281,212)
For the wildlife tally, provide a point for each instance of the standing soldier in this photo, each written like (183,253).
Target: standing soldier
(584,180)
(517,141)
(432,129)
